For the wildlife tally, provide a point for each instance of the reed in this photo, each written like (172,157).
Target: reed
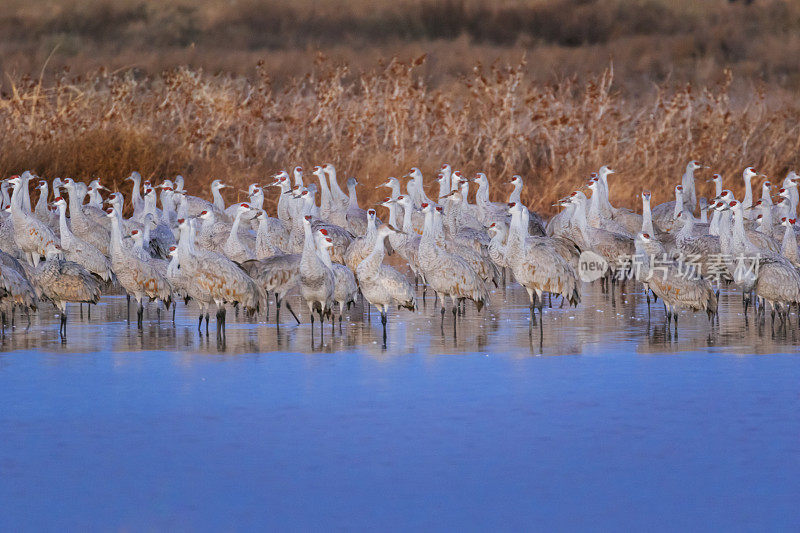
(380,122)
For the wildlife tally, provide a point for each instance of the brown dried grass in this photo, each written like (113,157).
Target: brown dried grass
(382,121)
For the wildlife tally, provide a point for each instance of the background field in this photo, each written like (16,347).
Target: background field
(550,89)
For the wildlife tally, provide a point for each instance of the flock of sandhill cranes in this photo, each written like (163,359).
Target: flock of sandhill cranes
(238,255)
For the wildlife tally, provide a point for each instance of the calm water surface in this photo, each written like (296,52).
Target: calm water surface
(631,426)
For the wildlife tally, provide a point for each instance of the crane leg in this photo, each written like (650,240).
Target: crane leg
(80,306)
(220,322)
(173,313)
(62,329)
(200,323)
(383,323)
(321,324)
(158,312)
(289,307)
(89,311)
(128,297)
(140,315)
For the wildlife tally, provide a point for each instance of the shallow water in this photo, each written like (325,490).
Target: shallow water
(597,325)
(635,427)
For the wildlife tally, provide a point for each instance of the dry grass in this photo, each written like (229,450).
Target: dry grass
(382,121)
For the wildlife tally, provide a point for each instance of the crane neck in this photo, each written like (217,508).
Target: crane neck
(41,203)
(373,261)
(687,181)
(766,217)
(516,194)
(579,217)
(335,189)
(353,197)
(219,201)
(647,217)
(748,193)
(789,245)
(408,225)
(713,226)
(66,233)
(393,215)
(482,194)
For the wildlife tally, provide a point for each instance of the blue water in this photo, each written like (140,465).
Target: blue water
(353,440)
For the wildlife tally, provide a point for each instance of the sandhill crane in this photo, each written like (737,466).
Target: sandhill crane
(778,284)
(136,197)
(361,246)
(749,238)
(416,188)
(597,219)
(356,217)
(688,183)
(41,210)
(195,204)
(297,174)
(337,194)
(537,265)
(470,246)
(279,274)
(498,232)
(83,226)
(446,273)
(80,251)
(488,211)
(7,242)
(716,179)
(15,288)
(668,282)
(213,232)
(272,236)
(327,207)
(536,224)
(281,180)
(664,215)
(382,285)
(789,244)
(139,278)
(180,275)
(747,203)
(61,281)
(5,199)
(234,249)
(340,236)
(217,279)
(394,185)
(316,279)
(407,243)
(790,185)
(32,236)
(561,224)
(345,289)
(615,249)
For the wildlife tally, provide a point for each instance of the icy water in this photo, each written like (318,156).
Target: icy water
(599,420)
